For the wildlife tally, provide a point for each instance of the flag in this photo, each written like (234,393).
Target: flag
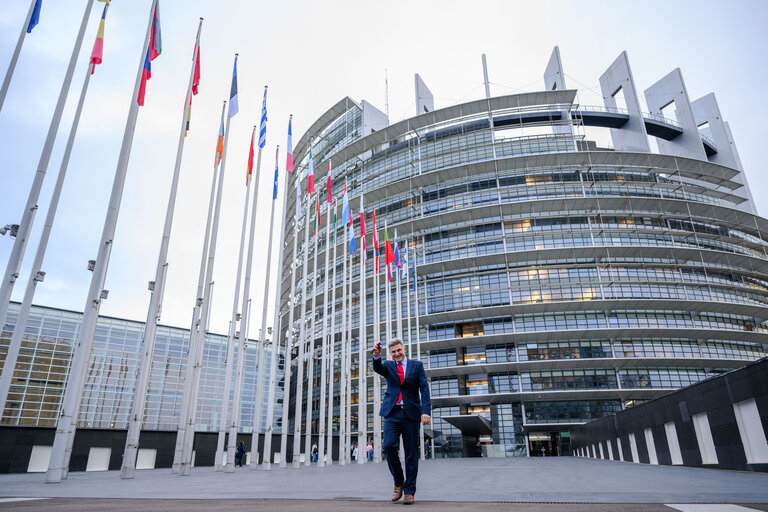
(146,74)
(195,81)
(196,76)
(154,49)
(35,19)
(329,186)
(317,214)
(362,232)
(189,117)
(396,261)
(289,148)
(404,273)
(234,108)
(249,171)
(298,198)
(311,173)
(345,218)
(155,41)
(334,223)
(389,254)
(274,190)
(220,145)
(351,239)
(98,46)
(376,262)
(263,123)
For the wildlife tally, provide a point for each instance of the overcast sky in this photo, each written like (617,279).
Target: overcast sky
(311,54)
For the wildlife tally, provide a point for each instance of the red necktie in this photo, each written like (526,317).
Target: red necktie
(401,374)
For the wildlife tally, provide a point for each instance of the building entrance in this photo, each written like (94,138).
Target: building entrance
(548,444)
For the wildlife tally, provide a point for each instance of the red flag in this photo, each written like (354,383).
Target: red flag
(249,172)
(98,46)
(196,77)
(375,245)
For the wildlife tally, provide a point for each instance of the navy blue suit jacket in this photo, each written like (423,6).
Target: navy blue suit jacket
(415,381)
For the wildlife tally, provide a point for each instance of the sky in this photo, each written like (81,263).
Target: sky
(310,54)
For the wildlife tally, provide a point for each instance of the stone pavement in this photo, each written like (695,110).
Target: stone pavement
(567,484)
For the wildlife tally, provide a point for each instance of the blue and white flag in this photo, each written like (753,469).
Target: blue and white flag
(263,123)
(233,104)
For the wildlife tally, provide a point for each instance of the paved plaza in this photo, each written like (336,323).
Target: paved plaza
(523,484)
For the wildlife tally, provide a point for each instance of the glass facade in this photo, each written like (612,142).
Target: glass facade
(44,361)
(558,281)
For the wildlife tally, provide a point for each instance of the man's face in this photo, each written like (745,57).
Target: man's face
(397,352)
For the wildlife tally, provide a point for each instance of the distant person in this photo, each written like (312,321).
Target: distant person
(314,452)
(426,449)
(369,451)
(405,406)
(240,453)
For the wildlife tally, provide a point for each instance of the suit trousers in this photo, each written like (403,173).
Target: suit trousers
(398,425)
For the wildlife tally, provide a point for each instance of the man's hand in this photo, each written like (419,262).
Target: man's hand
(377,350)
(425,419)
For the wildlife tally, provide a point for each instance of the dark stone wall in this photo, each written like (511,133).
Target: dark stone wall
(714,396)
(16,446)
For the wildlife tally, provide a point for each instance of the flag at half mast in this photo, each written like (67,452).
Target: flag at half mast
(35,19)
(195,81)
(153,51)
(311,173)
(234,106)
(97,53)
(219,145)
(249,171)
(376,259)
(289,148)
(363,257)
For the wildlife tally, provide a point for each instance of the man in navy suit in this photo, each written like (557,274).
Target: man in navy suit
(403,411)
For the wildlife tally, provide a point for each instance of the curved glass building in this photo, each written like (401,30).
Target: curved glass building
(560,277)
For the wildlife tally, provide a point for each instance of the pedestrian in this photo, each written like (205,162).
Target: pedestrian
(354,451)
(240,453)
(314,452)
(405,406)
(426,448)
(369,451)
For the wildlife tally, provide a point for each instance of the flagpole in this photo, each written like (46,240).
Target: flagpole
(311,360)
(230,362)
(348,359)
(343,448)
(302,333)
(288,351)
(332,346)
(59,459)
(398,299)
(198,302)
(263,333)
(362,363)
(407,296)
(194,367)
(418,337)
(324,346)
(136,417)
(15,56)
(35,275)
(376,339)
(276,322)
(28,216)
